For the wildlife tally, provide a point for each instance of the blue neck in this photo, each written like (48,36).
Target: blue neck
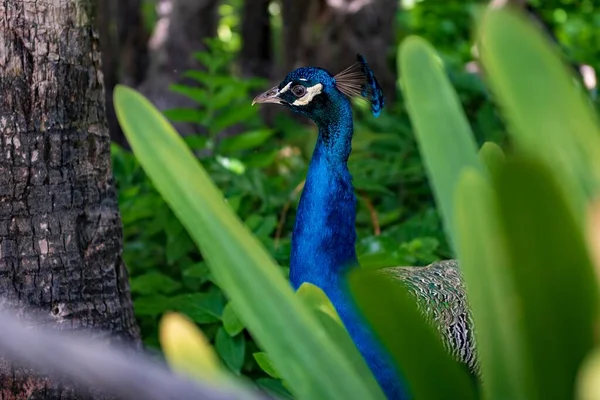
(324,237)
(324,233)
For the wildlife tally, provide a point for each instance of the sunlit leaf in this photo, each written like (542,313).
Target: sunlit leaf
(552,273)
(444,136)
(492,156)
(187,349)
(548,113)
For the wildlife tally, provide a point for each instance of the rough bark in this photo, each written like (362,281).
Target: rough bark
(179,33)
(60,229)
(256,56)
(329,33)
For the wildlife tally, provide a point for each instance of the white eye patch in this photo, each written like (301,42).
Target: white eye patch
(285,88)
(311,92)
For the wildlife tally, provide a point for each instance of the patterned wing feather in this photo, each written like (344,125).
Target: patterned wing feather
(441,296)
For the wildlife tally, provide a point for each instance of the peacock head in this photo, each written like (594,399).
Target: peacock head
(316,93)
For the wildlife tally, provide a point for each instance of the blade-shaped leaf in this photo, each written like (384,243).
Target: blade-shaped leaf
(492,156)
(444,136)
(547,111)
(415,345)
(482,255)
(299,347)
(551,271)
(188,350)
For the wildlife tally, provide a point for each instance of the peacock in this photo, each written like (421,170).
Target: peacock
(324,235)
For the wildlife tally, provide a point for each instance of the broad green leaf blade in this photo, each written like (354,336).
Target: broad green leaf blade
(491,156)
(303,353)
(551,271)
(547,112)
(415,345)
(231,322)
(187,350)
(264,362)
(232,350)
(317,300)
(483,261)
(444,136)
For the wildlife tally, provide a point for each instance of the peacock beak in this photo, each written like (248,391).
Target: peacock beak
(270,96)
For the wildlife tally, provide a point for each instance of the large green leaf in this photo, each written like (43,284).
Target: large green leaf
(552,274)
(547,111)
(443,132)
(415,345)
(309,360)
(482,254)
(492,156)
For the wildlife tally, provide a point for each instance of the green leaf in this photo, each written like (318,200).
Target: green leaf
(185,115)
(202,77)
(226,95)
(199,95)
(492,156)
(316,299)
(274,387)
(414,344)
(444,136)
(313,365)
(202,308)
(483,261)
(151,306)
(187,349)
(552,273)
(371,187)
(264,362)
(178,247)
(231,350)
(196,142)
(231,116)
(245,141)
(548,113)
(231,322)
(154,282)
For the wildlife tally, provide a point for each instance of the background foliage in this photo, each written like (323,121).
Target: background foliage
(260,168)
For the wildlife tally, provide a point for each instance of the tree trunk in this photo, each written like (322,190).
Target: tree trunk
(329,33)
(60,229)
(179,33)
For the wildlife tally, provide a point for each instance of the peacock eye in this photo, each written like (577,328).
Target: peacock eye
(299,90)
